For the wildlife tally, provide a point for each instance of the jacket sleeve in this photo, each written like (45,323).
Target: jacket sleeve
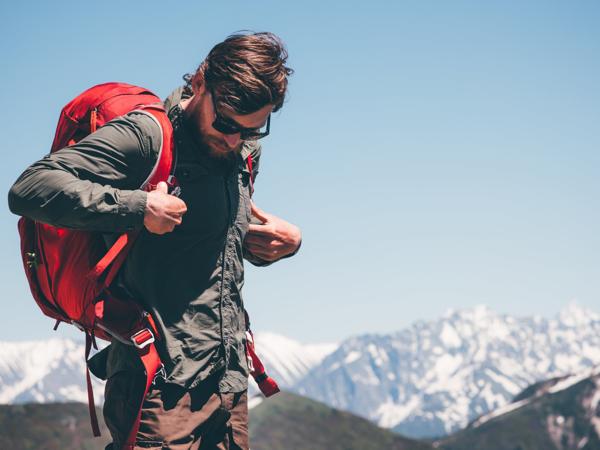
(94,184)
(249,256)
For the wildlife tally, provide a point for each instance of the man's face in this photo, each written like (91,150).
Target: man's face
(201,112)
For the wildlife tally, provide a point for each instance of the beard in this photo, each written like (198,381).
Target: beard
(218,148)
(214,146)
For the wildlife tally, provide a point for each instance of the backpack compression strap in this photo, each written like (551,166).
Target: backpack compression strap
(144,342)
(91,405)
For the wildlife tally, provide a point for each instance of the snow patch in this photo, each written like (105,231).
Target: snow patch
(500,411)
(352,356)
(449,336)
(572,380)
(574,315)
(389,413)
(288,360)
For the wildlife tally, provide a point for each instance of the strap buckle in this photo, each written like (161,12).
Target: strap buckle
(174,187)
(160,376)
(142,338)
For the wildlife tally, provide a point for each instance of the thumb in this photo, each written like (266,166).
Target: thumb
(258,213)
(162,187)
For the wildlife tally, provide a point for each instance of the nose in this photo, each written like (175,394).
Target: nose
(232,140)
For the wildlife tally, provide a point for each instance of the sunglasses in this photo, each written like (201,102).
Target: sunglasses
(227,126)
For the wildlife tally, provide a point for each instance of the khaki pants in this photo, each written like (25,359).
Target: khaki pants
(173,418)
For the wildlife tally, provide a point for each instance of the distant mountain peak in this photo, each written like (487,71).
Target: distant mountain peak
(473,313)
(286,359)
(43,371)
(434,377)
(574,314)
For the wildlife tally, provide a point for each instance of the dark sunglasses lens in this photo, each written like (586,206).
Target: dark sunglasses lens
(257,133)
(251,135)
(224,127)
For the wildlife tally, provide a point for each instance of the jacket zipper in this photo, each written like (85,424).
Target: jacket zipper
(223,273)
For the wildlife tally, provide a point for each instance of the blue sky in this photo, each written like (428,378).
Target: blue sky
(436,154)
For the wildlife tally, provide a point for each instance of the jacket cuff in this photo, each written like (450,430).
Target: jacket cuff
(132,207)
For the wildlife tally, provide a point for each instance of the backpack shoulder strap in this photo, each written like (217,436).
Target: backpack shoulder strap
(166,161)
(163,170)
(250,164)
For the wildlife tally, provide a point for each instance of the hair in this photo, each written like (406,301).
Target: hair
(246,72)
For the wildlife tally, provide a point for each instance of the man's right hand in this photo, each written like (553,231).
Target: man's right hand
(163,211)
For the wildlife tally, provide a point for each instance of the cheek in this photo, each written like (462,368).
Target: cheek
(207,131)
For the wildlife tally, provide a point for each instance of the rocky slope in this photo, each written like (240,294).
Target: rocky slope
(433,378)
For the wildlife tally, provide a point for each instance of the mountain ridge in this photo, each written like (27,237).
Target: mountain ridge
(425,380)
(434,377)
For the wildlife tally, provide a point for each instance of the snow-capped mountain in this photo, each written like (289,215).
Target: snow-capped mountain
(287,360)
(428,379)
(54,370)
(435,377)
(44,371)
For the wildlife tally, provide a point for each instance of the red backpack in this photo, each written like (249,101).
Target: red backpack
(70,271)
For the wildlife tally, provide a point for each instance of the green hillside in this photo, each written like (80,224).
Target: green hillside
(59,426)
(548,419)
(291,422)
(563,420)
(285,421)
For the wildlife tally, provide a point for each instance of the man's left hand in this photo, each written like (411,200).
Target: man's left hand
(272,239)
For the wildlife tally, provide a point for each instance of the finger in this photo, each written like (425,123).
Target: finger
(162,187)
(182,208)
(176,215)
(256,244)
(267,245)
(176,206)
(255,250)
(258,213)
(265,242)
(263,254)
(269,255)
(261,229)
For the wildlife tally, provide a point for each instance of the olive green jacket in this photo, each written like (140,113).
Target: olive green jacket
(190,279)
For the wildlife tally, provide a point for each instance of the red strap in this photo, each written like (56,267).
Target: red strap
(90,392)
(107,259)
(93,120)
(120,258)
(151,362)
(116,256)
(250,164)
(267,385)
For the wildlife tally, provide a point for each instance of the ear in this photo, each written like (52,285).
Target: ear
(198,82)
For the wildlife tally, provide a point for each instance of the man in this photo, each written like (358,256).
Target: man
(187,265)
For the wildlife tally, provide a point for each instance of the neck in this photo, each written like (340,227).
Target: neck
(188,104)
